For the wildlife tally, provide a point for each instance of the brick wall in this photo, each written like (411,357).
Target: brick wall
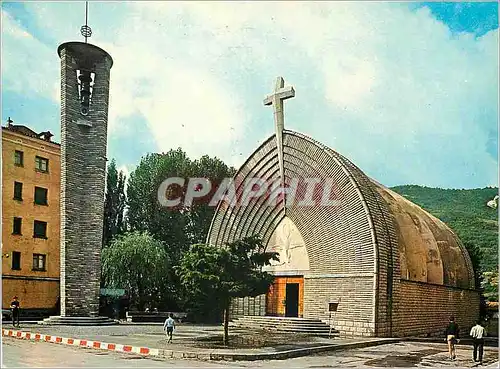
(44,295)
(83,162)
(424,309)
(32,294)
(355,296)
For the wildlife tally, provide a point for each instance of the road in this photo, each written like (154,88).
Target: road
(26,354)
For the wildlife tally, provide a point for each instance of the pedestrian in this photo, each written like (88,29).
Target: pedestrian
(477,333)
(14,306)
(169,327)
(452,337)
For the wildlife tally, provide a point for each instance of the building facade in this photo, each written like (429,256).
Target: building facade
(371,263)
(31,175)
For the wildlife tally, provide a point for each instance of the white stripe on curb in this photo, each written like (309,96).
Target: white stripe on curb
(146,351)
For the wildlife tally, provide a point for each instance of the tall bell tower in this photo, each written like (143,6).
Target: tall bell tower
(85,79)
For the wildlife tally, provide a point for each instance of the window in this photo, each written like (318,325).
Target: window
(41,164)
(18,191)
(16,260)
(16,227)
(39,262)
(19,158)
(40,229)
(40,196)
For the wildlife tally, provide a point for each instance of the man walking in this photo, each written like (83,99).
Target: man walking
(14,306)
(169,326)
(477,333)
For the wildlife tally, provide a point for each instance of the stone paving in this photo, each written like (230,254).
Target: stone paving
(402,354)
(149,335)
(186,338)
(19,353)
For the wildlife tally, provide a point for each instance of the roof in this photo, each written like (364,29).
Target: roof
(28,132)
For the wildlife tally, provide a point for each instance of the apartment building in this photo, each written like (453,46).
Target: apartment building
(31,175)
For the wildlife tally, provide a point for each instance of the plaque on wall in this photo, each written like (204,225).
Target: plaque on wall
(332,306)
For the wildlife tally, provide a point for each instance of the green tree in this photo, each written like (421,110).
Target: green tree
(177,227)
(476,256)
(226,272)
(138,263)
(144,212)
(490,285)
(114,205)
(200,214)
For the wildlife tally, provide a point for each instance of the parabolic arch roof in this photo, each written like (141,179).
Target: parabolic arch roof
(370,226)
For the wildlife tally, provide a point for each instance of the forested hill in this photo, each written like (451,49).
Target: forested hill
(466,212)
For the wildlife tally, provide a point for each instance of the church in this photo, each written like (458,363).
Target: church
(383,265)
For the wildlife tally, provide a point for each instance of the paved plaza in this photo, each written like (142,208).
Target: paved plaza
(23,354)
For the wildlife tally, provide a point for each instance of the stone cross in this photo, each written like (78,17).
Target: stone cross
(276,99)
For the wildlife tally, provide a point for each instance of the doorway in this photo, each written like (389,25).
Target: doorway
(292,300)
(282,300)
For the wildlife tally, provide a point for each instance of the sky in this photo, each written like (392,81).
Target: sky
(407,91)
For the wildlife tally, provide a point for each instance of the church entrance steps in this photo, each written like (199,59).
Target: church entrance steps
(282,324)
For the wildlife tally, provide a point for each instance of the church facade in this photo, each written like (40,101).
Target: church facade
(372,263)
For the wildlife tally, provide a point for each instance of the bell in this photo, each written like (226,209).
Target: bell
(85,77)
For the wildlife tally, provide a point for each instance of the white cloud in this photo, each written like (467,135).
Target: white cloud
(126,170)
(28,66)
(391,89)
(184,106)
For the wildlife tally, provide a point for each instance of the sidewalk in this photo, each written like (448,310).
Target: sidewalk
(144,344)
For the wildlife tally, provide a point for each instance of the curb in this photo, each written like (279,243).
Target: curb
(488,341)
(204,356)
(288,354)
(81,343)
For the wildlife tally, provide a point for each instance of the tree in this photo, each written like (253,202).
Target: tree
(177,227)
(490,286)
(138,263)
(226,272)
(181,226)
(476,256)
(114,205)
(200,214)
(144,212)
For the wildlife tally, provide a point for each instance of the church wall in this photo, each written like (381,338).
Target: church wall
(387,262)
(424,309)
(354,315)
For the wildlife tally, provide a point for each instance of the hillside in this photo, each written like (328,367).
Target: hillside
(465,211)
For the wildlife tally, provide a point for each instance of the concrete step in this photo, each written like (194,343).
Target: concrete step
(284,324)
(78,321)
(277,318)
(305,322)
(300,327)
(292,330)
